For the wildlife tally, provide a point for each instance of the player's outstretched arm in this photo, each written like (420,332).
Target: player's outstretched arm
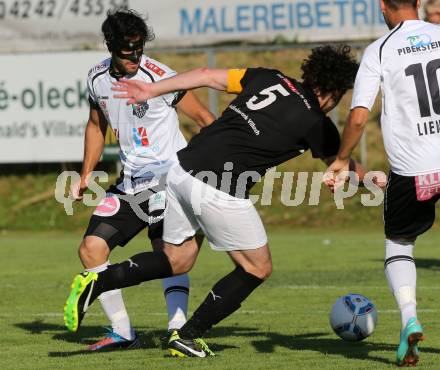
(93,146)
(350,138)
(138,91)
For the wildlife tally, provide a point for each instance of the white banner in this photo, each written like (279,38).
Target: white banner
(37,25)
(44,106)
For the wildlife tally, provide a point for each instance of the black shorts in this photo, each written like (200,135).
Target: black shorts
(404,215)
(119,217)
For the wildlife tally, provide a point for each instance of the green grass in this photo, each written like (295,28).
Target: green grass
(283,325)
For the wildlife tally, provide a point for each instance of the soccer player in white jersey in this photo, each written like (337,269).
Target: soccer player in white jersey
(149,138)
(405,64)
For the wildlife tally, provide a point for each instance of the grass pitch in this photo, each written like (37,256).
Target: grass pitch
(283,324)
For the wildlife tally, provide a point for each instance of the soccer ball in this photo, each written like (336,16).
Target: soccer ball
(353,317)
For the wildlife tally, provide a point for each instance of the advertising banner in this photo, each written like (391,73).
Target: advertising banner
(44,106)
(41,25)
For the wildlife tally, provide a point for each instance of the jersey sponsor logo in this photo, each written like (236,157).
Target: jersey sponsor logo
(418,44)
(140,136)
(419,40)
(249,120)
(108,206)
(140,109)
(154,68)
(103,104)
(295,90)
(156,202)
(97,68)
(427,186)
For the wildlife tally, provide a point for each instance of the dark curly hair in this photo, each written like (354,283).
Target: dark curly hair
(125,23)
(330,70)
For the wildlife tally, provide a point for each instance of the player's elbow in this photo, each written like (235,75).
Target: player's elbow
(201,116)
(212,78)
(357,124)
(206,75)
(204,118)
(358,118)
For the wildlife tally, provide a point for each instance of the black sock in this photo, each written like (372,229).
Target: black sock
(137,269)
(225,298)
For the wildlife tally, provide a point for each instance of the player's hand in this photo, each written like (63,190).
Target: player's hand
(380,179)
(133,90)
(78,188)
(332,177)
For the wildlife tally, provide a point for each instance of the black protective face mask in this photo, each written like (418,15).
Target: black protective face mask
(134,56)
(131,51)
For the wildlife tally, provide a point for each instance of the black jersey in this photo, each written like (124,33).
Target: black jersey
(272,119)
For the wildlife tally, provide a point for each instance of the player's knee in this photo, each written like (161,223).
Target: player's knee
(261,271)
(181,269)
(269,270)
(266,270)
(180,265)
(93,252)
(82,252)
(181,257)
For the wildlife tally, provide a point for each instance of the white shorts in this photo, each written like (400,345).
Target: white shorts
(229,223)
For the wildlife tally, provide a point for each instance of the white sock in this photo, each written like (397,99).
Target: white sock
(176,291)
(114,308)
(400,271)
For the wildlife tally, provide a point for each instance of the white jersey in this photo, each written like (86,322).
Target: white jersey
(405,63)
(148,133)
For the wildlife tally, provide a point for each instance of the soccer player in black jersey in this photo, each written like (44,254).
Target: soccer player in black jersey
(272,119)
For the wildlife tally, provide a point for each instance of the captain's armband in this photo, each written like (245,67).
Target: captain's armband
(234,81)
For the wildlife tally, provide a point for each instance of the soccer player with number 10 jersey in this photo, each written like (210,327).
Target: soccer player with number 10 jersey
(405,64)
